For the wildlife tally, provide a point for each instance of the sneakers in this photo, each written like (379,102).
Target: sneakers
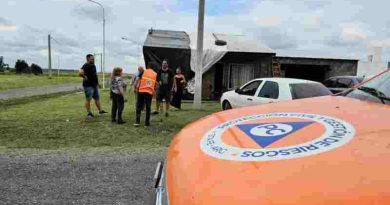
(155,113)
(166,114)
(113,120)
(102,112)
(136,124)
(90,115)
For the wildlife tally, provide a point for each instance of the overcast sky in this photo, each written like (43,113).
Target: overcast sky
(318,28)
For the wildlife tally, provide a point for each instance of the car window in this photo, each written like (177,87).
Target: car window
(251,88)
(344,83)
(307,90)
(375,90)
(270,90)
(330,83)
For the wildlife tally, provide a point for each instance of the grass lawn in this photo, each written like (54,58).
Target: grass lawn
(10,81)
(60,122)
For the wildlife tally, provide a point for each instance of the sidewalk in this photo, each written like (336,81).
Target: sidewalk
(33,91)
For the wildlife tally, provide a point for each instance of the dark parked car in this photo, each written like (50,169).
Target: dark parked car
(341,83)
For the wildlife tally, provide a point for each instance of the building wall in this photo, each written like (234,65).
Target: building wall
(342,68)
(262,68)
(337,67)
(262,64)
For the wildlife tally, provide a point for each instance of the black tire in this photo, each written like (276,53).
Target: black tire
(226,105)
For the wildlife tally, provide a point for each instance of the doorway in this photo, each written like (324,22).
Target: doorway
(307,72)
(218,80)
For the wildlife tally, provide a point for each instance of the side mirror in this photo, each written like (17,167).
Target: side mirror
(237,90)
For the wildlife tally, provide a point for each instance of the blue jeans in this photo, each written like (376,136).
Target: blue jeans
(91,92)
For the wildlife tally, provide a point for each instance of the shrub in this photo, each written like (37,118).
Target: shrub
(22,67)
(36,69)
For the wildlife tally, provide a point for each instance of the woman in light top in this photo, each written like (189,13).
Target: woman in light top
(118,90)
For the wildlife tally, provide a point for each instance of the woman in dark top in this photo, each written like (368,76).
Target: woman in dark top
(179,83)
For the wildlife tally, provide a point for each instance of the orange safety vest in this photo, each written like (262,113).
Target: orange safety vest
(147,83)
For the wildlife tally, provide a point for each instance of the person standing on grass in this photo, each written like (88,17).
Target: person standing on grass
(179,83)
(90,85)
(118,89)
(145,89)
(165,79)
(137,77)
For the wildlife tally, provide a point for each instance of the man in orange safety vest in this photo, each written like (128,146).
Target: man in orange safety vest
(145,89)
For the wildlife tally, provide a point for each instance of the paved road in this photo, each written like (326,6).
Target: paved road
(32,91)
(107,177)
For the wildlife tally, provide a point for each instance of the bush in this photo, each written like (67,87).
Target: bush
(2,65)
(22,67)
(36,69)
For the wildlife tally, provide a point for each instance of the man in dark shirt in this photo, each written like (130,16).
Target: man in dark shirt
(90,85)
(165,79)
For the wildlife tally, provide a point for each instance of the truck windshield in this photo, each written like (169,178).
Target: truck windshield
(374,90)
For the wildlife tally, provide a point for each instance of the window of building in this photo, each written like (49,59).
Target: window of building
(240,74)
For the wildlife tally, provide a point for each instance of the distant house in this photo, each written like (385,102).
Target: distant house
(230,65)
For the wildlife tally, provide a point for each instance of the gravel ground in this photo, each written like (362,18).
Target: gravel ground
(78,176)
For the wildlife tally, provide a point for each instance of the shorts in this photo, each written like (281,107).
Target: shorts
(164,93)
(91,92)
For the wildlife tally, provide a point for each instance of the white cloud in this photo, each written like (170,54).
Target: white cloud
(8,28)
(285,25)
(353,32)
(132,60)
(11,3)
(380,43)
(44,52)
(269,21)
(312,23)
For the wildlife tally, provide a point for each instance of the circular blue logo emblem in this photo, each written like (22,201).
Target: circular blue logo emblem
(337,133)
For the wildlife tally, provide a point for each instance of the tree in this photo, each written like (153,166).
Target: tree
(21,67)
(36,69)
(2,65)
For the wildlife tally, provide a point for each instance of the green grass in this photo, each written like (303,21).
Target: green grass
(59,122)
(10,81)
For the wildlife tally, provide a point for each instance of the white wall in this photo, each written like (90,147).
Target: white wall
(370,69)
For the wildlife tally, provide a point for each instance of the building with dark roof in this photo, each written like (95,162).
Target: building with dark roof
(237,61)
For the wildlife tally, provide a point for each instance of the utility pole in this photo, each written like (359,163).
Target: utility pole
(104,47)
(49,38)
(199,57)
(101,64)
(104,38)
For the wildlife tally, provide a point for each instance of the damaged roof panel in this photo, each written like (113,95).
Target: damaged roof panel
(167,39)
